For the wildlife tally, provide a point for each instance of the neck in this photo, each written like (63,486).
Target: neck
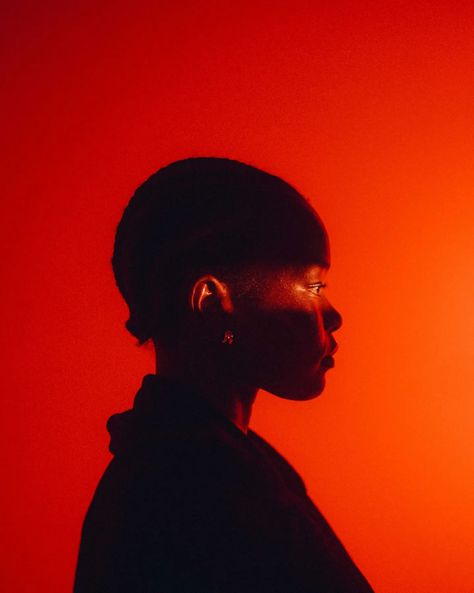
(233,400)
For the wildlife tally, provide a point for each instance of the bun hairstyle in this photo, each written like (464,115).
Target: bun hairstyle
(205,215)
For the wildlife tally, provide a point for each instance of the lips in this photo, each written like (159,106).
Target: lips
(328,360)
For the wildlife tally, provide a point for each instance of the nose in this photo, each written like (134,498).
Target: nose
(332,319)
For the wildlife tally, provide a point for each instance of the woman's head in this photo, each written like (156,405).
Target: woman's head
(241,228)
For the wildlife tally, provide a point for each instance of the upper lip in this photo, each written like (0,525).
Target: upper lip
(333,350)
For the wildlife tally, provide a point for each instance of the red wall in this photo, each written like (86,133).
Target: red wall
(367,108)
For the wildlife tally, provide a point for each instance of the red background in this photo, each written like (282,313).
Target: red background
(367,108)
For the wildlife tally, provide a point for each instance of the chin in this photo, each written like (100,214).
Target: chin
(299,390)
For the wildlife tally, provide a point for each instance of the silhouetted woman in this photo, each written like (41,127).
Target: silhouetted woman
(223,267)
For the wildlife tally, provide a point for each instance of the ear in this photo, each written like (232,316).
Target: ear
(210,294)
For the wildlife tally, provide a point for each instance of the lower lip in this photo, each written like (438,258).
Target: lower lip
(328,362)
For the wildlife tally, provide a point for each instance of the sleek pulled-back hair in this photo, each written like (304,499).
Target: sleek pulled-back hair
(203,215)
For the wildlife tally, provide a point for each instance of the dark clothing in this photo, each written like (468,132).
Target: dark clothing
(190,504)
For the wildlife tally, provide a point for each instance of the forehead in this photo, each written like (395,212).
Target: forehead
(312,271)
(304,240)
(297,248)
(307,273)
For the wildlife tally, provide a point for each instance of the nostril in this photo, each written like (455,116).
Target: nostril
(333,320)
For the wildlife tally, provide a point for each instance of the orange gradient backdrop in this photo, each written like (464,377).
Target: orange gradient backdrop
(367,107)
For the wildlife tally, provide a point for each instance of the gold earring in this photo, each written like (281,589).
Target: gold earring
(228,337)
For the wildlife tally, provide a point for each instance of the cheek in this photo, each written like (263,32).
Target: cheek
(288,338)
(306,341)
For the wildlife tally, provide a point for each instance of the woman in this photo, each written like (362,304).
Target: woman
(223,267)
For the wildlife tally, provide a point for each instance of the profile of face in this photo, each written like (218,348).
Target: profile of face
(284,330)
(282,325)
(278,311)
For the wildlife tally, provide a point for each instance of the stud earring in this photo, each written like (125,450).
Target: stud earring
(228,337)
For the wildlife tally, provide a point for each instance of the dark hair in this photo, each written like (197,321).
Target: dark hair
(202,215)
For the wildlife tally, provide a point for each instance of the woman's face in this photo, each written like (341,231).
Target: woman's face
(284,329)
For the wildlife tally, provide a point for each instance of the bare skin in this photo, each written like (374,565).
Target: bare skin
(234,401)
(282,329)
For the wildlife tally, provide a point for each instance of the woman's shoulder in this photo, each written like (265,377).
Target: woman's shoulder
(180,468)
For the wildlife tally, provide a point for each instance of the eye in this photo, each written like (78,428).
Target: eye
(316,288)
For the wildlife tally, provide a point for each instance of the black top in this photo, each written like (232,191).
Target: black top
(190,504)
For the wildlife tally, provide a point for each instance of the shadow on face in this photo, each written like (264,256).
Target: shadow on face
(284,327)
